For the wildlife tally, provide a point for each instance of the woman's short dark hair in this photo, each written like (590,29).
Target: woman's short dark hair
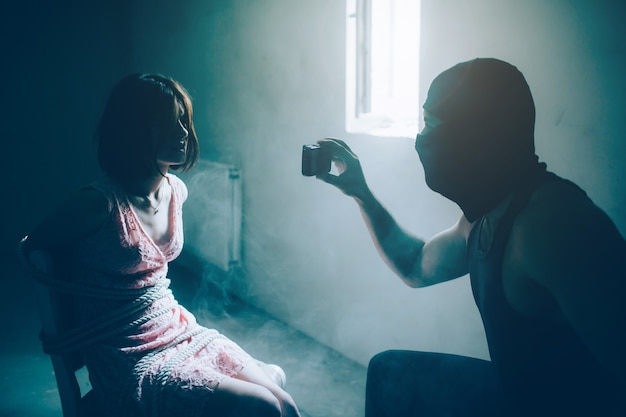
(125,135)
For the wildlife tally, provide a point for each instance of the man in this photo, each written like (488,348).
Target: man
(547,266)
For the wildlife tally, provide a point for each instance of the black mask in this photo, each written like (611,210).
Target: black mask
(484,145)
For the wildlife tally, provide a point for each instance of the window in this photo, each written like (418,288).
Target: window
(382,67)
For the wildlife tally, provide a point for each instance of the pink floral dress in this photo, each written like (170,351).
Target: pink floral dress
(157,360)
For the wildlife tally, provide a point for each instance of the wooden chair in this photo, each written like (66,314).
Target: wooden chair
(55,313)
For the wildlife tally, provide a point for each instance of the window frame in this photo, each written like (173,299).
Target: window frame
(359,66)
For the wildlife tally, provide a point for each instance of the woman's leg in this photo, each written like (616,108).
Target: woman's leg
(412,384)
(252,373)
(235,397)
(251,393)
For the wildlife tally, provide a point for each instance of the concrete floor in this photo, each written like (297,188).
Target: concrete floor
(322,382)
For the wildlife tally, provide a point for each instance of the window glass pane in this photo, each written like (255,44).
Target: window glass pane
(383,67)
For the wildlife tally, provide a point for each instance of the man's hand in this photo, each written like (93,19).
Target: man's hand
(350,179)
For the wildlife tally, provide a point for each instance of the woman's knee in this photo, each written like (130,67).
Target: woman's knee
(237,398)
(263,405)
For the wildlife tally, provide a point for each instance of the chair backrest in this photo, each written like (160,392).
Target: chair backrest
(55,311)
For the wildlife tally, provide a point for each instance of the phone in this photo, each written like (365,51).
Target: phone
(315,160)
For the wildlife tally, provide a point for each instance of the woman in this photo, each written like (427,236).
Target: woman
(146,355)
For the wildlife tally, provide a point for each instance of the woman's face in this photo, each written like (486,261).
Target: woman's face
(171,137)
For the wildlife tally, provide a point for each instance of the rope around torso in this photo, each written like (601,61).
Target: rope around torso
(118,321)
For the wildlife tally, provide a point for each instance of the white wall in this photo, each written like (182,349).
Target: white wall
(268,76)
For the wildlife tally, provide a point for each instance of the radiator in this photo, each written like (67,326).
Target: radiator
(212,214)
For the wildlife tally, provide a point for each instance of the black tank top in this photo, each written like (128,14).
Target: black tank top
(544,369)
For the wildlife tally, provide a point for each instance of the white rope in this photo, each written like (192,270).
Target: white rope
(74,288)
(115,322)
(119,321)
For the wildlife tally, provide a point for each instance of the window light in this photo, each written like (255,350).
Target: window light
(382,67)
